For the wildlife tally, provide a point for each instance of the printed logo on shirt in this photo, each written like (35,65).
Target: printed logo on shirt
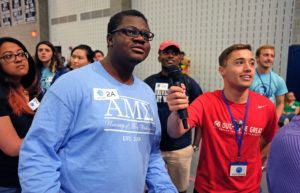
(105,94)
(260,107)
(49,79)
(129,115)
(34,104)
(161,92)
(229,128)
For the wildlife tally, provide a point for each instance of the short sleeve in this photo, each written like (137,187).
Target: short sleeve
(272,126)
(195,111)
(4,106)
(282,89)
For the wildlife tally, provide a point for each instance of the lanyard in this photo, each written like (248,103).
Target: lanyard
(265,88)
(239,139)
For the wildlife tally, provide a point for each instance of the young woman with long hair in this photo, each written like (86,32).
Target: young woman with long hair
(48,63)
(291,108)
(19,98)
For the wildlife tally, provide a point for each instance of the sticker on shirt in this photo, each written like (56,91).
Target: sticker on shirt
(34,104)
(161,86)
(49,79)
(105,94)
(238,168)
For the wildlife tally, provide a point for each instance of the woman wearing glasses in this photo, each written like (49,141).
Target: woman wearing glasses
(48,63)
(19,98)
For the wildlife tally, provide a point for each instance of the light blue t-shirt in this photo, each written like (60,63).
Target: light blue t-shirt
(94,134)
(261,85)
(46,79)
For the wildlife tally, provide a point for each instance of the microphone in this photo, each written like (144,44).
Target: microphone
(176,75)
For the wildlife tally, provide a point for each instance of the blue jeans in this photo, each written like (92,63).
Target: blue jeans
(9,190)
(289,116)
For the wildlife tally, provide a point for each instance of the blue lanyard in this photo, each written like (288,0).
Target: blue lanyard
(239,139)
(265,88)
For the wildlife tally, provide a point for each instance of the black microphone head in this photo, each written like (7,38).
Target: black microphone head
(174,72)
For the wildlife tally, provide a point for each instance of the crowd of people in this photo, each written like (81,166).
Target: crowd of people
(112,132)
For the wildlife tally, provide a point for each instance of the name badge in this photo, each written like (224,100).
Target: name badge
(238,168)
(161,86)
(49,79)
(34,104)
(105,94)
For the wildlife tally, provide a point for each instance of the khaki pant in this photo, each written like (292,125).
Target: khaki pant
(178,163)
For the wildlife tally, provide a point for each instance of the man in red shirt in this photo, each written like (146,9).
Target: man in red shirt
(237,126)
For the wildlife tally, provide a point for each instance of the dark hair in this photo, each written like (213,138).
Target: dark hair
(98,51)
(28,79)
(116,20)
(89,52)
(29,82)
(55,61)
(224,55)
(262,48)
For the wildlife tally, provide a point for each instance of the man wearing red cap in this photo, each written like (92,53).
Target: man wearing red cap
(177,153)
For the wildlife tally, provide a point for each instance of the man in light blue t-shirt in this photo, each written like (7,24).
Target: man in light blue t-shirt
(267,82)
(97,128)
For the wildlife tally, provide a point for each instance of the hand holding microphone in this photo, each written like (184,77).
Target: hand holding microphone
(177,100)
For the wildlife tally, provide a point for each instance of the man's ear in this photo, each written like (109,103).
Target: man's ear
(109,40)
(221,70)
(256,58)
(159,59)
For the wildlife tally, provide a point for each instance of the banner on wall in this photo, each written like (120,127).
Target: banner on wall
(30,11)
(17,12)
(5,13)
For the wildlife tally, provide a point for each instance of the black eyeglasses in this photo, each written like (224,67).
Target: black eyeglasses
(12,57)
(134,32)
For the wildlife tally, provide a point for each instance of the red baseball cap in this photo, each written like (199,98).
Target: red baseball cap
(168,43)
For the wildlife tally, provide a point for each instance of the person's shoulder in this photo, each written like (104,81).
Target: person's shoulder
(289,130)
(187,77)
(259,97)
(259,101)
(77,74)
(152,77)
(144,87)
(72,81)
(211,95)
(277,76)
(297,103)
(62,70)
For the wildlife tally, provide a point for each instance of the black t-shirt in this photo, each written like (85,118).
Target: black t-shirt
(9,165)
(193,90)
